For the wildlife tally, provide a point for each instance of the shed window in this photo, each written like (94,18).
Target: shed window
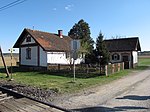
(28,53)
(115,57)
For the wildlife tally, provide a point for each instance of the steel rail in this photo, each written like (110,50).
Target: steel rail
(18,95)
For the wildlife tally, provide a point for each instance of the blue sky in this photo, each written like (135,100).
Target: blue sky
(122,18)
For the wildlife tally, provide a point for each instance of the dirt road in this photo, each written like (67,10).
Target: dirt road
(130,93)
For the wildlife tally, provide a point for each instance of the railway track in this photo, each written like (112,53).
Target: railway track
(11,101)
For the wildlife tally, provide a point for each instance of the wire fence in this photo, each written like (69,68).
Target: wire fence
(88,68)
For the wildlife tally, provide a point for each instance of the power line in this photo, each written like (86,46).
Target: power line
(11,4)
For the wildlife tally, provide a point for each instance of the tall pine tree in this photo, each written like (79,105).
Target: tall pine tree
(81,30)
(101,50)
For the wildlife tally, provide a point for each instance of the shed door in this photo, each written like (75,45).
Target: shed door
(126,61)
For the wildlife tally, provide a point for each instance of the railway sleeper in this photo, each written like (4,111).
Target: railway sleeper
(4,96)
(11,101)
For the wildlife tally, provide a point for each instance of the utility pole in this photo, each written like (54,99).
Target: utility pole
(6,69)
(75,46)
(74,71)
(11,55)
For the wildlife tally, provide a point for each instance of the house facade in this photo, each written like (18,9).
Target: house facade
(124,50)
(38,48)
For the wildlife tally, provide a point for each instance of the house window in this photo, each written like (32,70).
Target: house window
(115,57)
(28,53)
(74,45)
(28,38)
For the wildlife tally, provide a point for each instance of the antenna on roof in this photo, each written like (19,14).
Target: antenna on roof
(33,28)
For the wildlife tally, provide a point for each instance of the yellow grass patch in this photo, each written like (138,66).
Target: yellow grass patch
(8,60)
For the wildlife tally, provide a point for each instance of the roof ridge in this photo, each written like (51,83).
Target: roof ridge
(122,38)
(38,30)
(43,31)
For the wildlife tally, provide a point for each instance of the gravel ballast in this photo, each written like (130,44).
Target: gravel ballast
(46,95)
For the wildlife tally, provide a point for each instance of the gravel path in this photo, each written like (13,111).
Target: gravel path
(125,94)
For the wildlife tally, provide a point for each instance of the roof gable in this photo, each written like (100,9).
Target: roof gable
(48,41)
(26,41)
(123,44)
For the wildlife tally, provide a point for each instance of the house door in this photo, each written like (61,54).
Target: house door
(125,59)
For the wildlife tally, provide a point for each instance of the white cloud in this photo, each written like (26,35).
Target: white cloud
(68,7)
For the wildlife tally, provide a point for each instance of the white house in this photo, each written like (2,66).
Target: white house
(124,50)
(38,48)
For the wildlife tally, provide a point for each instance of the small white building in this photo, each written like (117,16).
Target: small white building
(124,50)
(38,48)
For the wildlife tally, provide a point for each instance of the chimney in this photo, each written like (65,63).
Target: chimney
(60,33)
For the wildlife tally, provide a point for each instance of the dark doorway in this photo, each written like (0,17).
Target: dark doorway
(125,59)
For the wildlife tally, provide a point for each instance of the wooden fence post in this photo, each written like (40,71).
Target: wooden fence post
(47,66)
(118,67)
(106,70)
(59,67)
(112,68)
(122,65)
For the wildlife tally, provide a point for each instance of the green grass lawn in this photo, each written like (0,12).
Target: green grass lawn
(62,82)
(144,61)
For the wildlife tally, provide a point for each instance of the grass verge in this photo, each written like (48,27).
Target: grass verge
(59,83)
(63,83)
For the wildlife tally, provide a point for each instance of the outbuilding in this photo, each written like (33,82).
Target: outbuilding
(124,50)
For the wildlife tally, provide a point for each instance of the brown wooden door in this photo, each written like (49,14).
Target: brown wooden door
(126,61)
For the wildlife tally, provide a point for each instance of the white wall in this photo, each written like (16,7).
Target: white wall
(33,60)
(57,58)
(79,60)
(60,58)
(135,57)
(43,58)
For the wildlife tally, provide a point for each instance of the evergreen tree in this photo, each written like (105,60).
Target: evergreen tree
(101,50)
(81,30)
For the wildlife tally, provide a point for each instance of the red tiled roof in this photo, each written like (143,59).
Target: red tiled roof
(123,44)
(48,41)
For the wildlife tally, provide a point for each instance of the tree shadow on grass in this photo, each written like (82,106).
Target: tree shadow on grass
(135,97)
(108,109)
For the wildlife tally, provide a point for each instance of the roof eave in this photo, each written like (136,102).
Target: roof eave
(17,44)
